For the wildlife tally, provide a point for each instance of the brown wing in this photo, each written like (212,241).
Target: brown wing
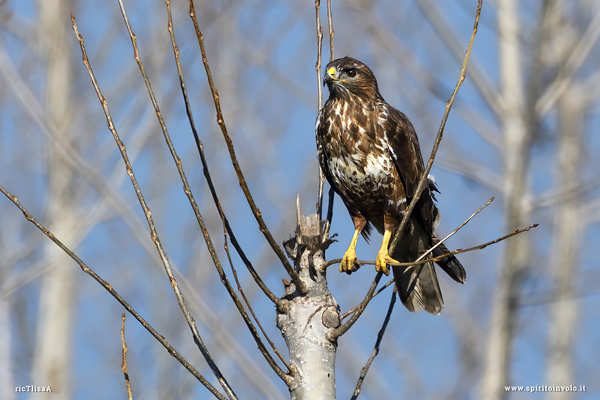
(406,153)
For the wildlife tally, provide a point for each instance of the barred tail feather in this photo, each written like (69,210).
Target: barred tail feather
(419,289)
(450,264)
(418,285)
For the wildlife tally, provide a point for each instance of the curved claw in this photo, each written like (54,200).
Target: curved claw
(382,260)
(349,262)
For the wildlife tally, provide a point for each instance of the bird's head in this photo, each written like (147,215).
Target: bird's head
(349,76)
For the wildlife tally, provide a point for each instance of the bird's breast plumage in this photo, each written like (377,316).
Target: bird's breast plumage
(355,154)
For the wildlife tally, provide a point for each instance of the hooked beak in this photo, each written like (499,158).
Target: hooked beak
(330,76)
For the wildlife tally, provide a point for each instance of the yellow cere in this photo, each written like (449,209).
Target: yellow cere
(331,72)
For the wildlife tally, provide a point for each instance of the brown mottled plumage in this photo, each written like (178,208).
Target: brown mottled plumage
(370,154)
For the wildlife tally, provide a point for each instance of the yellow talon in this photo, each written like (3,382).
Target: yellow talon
(381,262)
(383,258)
(349,262)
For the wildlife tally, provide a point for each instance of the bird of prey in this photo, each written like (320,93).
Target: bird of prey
(370,155)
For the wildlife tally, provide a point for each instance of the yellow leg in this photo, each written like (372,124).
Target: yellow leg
(349,262)
(383,258)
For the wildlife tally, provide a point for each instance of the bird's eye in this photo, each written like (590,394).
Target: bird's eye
(351,72)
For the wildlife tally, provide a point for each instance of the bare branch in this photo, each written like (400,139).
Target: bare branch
(226,226)
(422,256)
(459,251)
(148,214)
(381,289)
(472,171)
(331,32)
(358,309)
(481,82)
(440,133)
(479,247)
(124,358)
(319,52)
(576,59)
(221,122)
(434,259)
(110,289)
(320,85)
(319,100)
(207,175)
(417,261)
(375,352)
(206,235)
(239,287)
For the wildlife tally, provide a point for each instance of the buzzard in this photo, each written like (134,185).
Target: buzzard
(370,155)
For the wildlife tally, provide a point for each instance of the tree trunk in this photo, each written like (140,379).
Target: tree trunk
(568,231)
(306,320)
(516,159)
(7,387)
(51,362)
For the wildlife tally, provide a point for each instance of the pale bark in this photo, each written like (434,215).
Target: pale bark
(515,160)
(7,387)
(568,232)
(51,362)
(306,321)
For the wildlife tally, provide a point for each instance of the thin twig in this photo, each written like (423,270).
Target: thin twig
(419,260)
(112,291)
(359,310)
(124,358)
(263,349)
(459,251)
(375,352)
(440,133)
(331,32)
(148,214)
(481,246)
(568,70)
(339,260)
(239,287)
(438,258)
(319,100)
(206,171)
(300,286)
(482,82)
(381,289)
(422,256)
(226,226)
(319,54)
(206,235)
(320,97)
